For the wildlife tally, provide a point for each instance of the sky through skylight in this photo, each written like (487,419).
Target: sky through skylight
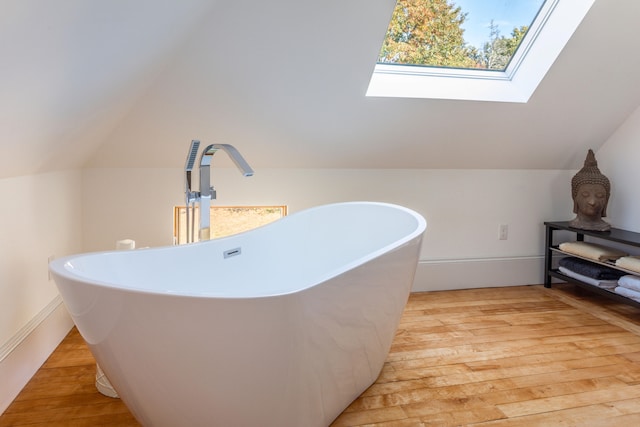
(506,14)
(466,34)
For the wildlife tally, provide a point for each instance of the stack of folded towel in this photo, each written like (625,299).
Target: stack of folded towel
(588,272)
(629,286)
(624,284)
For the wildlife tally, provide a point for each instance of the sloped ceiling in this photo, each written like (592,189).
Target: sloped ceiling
(72,69)
(108,84)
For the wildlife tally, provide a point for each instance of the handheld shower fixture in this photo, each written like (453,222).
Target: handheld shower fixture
(190,195)
(191,160)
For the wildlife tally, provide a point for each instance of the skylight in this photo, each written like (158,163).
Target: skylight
(511,78)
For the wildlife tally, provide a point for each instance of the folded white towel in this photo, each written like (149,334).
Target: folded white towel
(604,284)
(629,293)
(630,282)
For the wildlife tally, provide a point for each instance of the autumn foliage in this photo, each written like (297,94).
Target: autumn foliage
(429,32)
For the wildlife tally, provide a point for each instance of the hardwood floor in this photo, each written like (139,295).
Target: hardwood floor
(518,356)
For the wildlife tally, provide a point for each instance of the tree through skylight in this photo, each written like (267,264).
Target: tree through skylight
(457,33)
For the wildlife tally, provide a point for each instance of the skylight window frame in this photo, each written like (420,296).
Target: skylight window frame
(550,31)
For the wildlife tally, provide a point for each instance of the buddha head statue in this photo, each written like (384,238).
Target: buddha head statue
(590,190)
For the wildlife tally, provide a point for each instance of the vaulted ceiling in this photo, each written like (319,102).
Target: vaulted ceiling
(129,84)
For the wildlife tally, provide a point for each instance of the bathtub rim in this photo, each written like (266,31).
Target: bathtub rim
(62,266)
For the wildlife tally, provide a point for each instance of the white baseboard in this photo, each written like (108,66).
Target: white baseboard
(444,275)
(22,356)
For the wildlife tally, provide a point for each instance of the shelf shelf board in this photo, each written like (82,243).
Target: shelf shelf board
(614,235)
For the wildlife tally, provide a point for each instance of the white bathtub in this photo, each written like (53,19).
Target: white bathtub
(284,325)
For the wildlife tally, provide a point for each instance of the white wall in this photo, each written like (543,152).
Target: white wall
(41,217)
(619,160)
(463,208)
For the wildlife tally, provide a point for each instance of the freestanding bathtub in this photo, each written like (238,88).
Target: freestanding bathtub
(284,325)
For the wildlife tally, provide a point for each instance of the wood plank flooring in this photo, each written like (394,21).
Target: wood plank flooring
(517,356)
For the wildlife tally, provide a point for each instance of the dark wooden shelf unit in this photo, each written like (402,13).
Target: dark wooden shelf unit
(624,237)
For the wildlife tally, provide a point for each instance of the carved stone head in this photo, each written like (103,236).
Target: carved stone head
(590,190)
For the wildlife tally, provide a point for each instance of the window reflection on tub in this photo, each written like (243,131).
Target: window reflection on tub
(226,220)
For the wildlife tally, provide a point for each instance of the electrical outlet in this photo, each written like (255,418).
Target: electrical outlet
(49,259)
(504,232)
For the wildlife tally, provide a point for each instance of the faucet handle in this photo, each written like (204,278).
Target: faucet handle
(193,196)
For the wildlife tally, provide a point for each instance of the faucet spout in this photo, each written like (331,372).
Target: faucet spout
(240,162)
(207,191)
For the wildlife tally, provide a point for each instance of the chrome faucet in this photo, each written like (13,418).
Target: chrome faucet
(207,191)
